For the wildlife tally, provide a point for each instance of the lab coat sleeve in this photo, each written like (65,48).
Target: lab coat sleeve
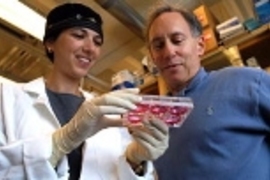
(22,157)
(126,172)
(28,159)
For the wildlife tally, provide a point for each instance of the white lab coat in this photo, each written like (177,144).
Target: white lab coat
(26,124)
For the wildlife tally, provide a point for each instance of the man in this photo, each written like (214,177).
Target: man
(226,136)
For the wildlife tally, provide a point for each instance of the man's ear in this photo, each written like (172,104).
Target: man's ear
(200,45)
(150,55)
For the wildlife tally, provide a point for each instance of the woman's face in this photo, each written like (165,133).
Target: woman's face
(75,51)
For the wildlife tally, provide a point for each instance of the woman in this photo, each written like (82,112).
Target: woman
(48,118)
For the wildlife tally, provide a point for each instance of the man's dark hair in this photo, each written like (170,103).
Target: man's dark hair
(191,19)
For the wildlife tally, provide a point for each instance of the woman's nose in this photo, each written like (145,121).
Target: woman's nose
(89,46)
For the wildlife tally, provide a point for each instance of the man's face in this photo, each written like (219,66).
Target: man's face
(174,50)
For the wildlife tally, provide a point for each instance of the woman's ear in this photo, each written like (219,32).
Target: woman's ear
(48,45)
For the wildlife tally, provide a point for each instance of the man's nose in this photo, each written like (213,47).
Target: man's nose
(169,50)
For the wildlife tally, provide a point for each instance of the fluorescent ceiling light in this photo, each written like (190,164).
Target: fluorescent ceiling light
(23,17)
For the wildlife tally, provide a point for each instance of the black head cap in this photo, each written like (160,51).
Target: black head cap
(71,15)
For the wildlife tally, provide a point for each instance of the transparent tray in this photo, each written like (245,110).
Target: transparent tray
(172,110)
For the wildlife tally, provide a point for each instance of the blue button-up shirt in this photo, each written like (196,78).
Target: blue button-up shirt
(226,136)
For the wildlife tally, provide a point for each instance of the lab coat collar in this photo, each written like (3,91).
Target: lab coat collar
(37,87)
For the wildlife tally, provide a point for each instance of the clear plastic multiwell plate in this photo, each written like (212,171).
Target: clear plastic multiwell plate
(172,110)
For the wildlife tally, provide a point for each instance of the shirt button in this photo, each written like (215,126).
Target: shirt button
(210,110)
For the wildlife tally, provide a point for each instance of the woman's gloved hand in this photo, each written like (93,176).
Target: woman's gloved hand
(150,141)
(90,119)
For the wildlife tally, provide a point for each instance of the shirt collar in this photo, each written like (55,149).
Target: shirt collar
(201,74)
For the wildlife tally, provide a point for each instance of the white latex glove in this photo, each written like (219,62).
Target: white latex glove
(150,141)
(90,118)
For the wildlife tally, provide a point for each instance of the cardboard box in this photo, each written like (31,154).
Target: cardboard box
(210,39)
(204,16)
